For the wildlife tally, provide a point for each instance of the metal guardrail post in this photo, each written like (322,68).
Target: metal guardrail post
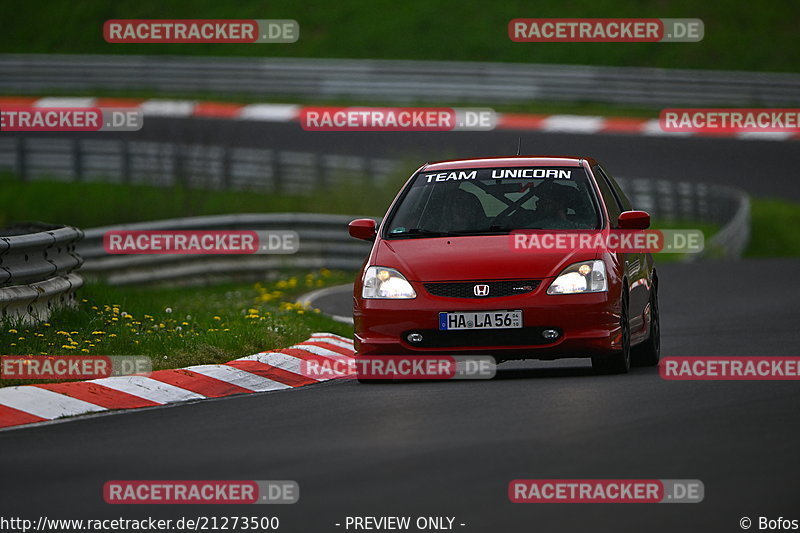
(125,161)
(77,160)
(22,159)
(276,170)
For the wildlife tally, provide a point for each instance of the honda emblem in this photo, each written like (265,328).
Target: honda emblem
(481,290)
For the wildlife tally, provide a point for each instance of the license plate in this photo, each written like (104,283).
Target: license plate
(480,320)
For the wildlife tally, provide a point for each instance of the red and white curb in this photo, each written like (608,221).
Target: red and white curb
(156,107)
(266,371)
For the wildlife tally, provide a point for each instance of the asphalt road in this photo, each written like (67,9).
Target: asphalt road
(763,168)
(451,448)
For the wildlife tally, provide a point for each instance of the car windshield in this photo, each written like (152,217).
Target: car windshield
(495,200)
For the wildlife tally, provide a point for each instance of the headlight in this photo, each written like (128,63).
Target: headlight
(589,276)
(382,282)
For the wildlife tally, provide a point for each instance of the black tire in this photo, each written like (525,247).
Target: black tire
(620,362)
(649,352)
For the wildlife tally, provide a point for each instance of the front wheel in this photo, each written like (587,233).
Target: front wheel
(620,362)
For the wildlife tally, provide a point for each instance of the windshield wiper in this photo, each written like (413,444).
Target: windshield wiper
(422,232)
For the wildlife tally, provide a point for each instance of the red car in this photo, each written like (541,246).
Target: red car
(444,278)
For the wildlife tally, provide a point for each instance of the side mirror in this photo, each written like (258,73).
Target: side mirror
(362,228)
(634,220)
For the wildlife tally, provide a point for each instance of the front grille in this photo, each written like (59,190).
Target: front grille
(528,336)
(466,289)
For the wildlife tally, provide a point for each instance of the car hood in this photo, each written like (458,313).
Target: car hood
(470,258)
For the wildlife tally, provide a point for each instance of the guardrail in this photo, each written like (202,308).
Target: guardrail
(193,165)
(36,272)
(324,240)
(725,207)
(396,81)
(324,243)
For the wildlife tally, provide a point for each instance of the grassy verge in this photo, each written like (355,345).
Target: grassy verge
(667,257)
(176,327)
(737,35)
(117,204)
(774,224)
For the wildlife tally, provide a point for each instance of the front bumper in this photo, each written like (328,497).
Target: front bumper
(588,324)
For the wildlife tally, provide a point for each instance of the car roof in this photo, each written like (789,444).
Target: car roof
(508,161)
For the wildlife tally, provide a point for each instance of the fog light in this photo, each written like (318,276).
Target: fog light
(550,334)
(414,337)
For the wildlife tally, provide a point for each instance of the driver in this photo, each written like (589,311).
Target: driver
(554,201)
(463,211)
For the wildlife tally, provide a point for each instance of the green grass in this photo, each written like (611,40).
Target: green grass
(175,327)
(774,228)
(738,35)
(708,230)
(108,203)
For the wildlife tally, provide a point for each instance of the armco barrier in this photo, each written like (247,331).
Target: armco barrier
(396,81)
(192,165)
(324,243)
(324,240)
(36,272)
(725,207)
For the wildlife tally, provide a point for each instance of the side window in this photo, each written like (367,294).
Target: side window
(623,198)
(609,198)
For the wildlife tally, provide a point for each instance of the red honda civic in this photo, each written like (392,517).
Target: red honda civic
(444,276)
